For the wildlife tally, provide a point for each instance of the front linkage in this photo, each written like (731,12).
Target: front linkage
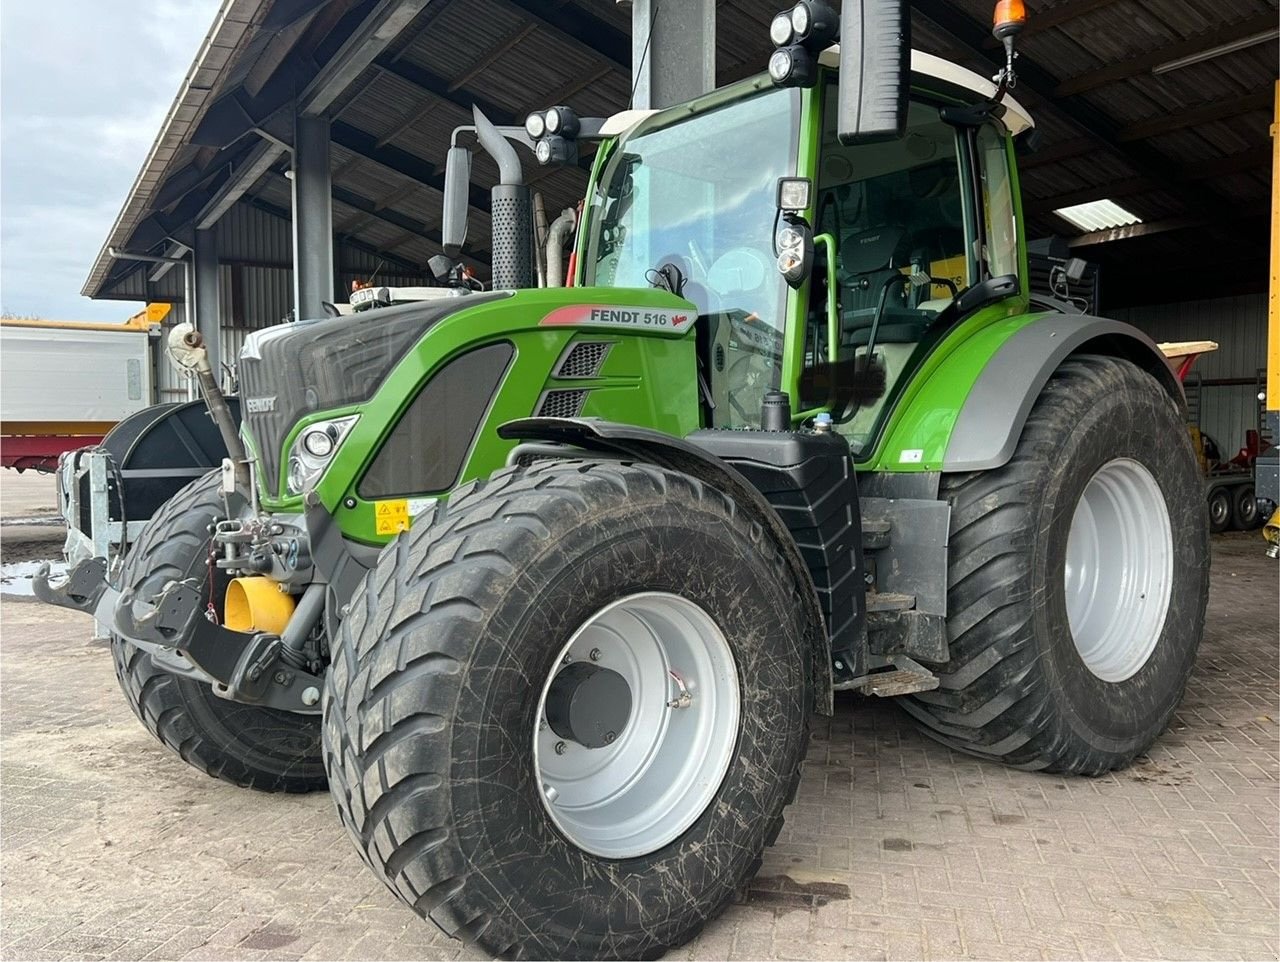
(248,667)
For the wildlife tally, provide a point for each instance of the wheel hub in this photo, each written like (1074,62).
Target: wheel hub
(1118,575)
(588,704)
(637,725)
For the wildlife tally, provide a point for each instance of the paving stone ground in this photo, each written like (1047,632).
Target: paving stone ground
(896,847)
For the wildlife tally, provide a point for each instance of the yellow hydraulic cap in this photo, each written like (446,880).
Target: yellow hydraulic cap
(256,604)
(1271,531)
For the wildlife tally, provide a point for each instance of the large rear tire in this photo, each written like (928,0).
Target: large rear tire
(595,584)
(260,748)
(1078,580)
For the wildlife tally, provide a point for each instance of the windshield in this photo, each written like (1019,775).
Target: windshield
(689,203)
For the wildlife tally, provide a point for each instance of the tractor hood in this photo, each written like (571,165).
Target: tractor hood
(293,370)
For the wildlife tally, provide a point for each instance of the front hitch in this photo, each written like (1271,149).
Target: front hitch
(80,590)
(245,666)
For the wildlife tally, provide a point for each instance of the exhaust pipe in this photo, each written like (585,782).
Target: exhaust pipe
(512,211)
(560,230)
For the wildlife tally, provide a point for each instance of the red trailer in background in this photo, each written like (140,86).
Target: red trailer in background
(65,384)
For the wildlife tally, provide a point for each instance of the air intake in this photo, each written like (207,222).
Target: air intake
(582,360)
(562,404)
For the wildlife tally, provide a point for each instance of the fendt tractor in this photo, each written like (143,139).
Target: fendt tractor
(546,582)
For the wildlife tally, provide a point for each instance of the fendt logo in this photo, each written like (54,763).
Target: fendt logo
(260,405)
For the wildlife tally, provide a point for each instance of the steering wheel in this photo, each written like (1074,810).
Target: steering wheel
(742,270)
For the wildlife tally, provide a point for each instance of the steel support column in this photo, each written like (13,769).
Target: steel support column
(680,61)
(312,217)
(208,312)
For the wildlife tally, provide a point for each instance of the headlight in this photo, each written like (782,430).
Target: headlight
(780,30)
(535,125)
(781,64)
(312,451)
(800,20)
(318,442)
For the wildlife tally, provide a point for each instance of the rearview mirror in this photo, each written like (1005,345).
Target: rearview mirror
(457,199)
(875,70)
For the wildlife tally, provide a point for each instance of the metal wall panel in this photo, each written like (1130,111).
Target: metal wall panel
(1239,325)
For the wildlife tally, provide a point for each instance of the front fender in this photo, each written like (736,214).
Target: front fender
(969,410)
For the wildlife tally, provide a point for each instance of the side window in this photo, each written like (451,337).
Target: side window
(426,449)
(1000,245)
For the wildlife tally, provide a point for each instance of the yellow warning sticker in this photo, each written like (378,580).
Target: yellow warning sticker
(391,517)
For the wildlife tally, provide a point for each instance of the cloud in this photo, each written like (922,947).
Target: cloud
(77,118)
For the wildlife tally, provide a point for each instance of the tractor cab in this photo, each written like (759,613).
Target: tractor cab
(892,234)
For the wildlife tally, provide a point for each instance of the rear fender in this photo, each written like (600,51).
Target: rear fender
(676,454)
(969,414)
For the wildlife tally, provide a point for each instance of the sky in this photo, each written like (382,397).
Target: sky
(84,85)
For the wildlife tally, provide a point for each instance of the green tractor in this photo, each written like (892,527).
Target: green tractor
(545,583)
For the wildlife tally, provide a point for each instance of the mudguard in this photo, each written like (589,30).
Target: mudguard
(990,422)
(654,447)
(966,410)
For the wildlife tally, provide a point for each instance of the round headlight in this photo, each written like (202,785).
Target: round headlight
(318,443)
(554,121)
(535,125)
(790,239)
(543,152)
(780,65)
(780,30)
(801,21)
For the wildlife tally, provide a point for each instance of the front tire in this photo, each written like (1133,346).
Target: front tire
(1078,580)
(249,746)
(510,834)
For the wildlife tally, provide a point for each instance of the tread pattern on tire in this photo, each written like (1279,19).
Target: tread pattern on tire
(172,547)
(993,701)
(487,530)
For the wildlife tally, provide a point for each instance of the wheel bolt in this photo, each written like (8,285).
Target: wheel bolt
(310,696)
(609,737)
(560,748)
(595,654)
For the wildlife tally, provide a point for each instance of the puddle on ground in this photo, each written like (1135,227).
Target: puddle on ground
(15,576)
(784,892)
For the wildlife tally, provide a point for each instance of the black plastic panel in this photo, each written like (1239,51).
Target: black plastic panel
(809,480)
(425,451)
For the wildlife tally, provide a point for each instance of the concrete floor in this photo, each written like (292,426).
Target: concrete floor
(110,847)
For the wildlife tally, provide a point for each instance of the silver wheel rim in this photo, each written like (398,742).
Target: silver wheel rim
(658,776)
(1119,569)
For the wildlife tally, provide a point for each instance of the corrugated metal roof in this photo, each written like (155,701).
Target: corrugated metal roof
(1186,147)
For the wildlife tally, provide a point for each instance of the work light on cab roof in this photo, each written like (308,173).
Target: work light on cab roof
(799,35)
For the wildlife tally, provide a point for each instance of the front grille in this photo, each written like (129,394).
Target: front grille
(293,370)
(582,360)
(562,404)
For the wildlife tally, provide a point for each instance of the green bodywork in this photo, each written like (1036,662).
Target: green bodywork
(650,377)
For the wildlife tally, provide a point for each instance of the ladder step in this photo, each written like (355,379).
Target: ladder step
(875,535)
(878,601)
